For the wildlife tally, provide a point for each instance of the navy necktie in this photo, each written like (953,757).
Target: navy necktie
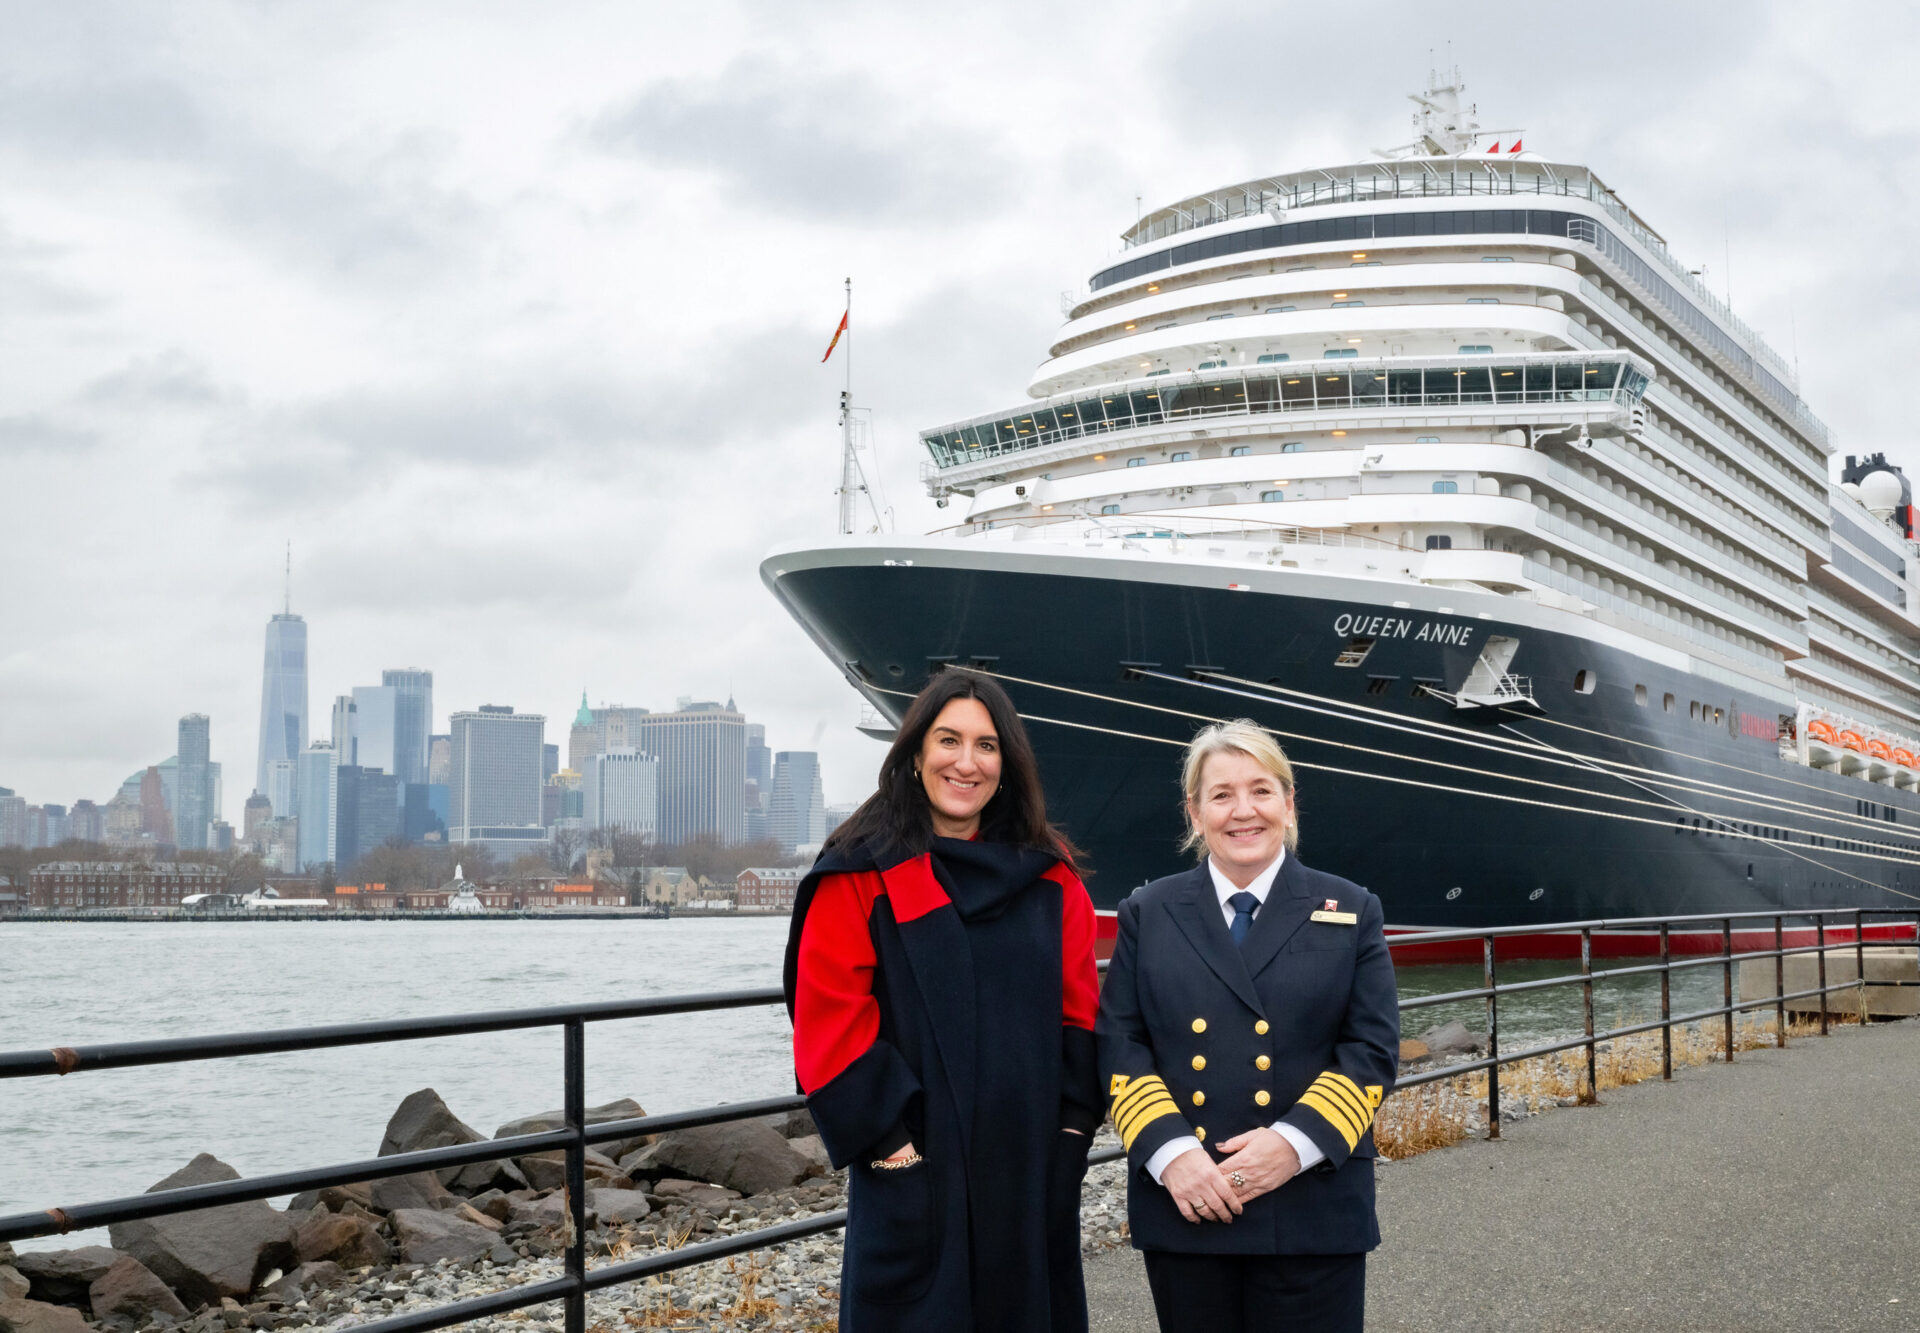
(1244,905)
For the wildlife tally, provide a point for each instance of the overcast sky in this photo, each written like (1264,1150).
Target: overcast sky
(509,316)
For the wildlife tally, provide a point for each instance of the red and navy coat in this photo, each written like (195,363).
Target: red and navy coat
(948,999)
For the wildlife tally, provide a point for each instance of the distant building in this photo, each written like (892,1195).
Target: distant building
(376,710)
(283,699)
(80,885)
(220,836)
(344,749)
(318,792)
(120,821)
(366,812)
(194,810)
(49,825)
(496,778)
(759,782)
(549,762)
(257,811)
(767,888)
(797,814)
(280,790)
(621,790)
(86,822)
(582,742)
(836,816)
(439,760)
(561,802)
(672,886)
(277,842)
(156,816)
(423,812)
(412,723)
(13,819)
(702,749)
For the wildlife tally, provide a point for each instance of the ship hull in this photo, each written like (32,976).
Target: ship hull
(1451,815)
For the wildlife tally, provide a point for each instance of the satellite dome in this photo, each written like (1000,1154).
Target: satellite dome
(1851,488)
(1880,493)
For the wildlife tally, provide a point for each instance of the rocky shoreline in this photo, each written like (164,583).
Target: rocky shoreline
(351,1255)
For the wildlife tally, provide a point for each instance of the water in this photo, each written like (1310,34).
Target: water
(104,1134)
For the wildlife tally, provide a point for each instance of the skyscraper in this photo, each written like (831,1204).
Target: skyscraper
(193,809)
(257,811)
(582,744)
(496,762)
(759,781)
(156,817)
(279,790)
(283,697)
(412,722)
(797,814)
(621,789)
(317,796)
(367,813)
(702,749)
(13,819)
(86,822)
(376,711)
(344,750)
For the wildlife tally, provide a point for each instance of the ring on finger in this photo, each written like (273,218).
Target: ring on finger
(1239,1180)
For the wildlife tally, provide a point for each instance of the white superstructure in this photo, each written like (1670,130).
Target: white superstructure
(1467,369)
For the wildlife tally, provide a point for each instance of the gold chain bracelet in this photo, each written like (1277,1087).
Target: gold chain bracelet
(896,1164)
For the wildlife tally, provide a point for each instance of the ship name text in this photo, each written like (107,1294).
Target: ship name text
(1396,627)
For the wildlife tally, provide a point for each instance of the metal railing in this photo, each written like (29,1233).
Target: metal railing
(575,1135)
(1491,988)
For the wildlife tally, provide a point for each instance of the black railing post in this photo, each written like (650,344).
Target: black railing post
(1493,1038)
(1592,1094)
(1666,1004)
(1820,952)
(1779,983)
(576,1116)
(1726,983)
(1860,958)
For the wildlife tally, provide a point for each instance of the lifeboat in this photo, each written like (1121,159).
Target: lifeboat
(1849,739)
(1820,729)
(1879,749)
(1903,756)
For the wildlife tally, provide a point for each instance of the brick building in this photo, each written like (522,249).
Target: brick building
(767,888)
(72,885)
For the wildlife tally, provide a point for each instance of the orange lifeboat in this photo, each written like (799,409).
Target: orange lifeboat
(1849,739)
(1879,749)
(1903,757)
(1820,729)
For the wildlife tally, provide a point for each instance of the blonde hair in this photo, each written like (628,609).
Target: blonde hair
(1241,736)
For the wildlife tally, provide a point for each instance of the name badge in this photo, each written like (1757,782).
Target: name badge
(1337,918)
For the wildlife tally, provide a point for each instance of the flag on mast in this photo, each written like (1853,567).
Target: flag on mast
(836,335)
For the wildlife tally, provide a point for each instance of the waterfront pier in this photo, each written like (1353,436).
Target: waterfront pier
(1771,1195)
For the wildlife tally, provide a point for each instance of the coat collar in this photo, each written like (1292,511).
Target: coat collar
(1196,911)
(1284,912)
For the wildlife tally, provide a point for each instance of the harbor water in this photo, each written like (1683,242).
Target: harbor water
(105,1134)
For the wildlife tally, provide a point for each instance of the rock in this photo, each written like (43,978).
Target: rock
(795,1124)
(1411,1050)
(334,1198)
(479,1177)
(63,1277)
(745,1155)
(493,1203)
(640,1164)
(624,1109)
(129,1295)
(696,1194)
(347,1240)
(468,1213)
(618,1207)
(307,1277)
(422,1189)
(547,1213)
(426,1236)
(40,1317)
(214,1252)
(423,1121)
(1450,1039)
(13,1284)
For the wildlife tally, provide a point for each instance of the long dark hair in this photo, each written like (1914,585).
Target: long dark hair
(900,814)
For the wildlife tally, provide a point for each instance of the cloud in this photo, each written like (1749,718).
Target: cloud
(834,146)
(36,434)
(86,115)
(171,379)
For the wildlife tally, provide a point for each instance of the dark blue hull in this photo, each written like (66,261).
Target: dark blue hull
(1447,833)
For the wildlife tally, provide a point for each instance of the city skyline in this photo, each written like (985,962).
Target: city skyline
(270,279)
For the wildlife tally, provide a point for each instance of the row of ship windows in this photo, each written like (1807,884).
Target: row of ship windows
(1290,309)
(1330,354)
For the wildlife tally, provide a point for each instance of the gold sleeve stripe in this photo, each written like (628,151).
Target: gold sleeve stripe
(1137,1091)
(1333,1115)
(1146,1115)
(1344,1083)
(1351,1121)
(1344,1092)
(1149,1109)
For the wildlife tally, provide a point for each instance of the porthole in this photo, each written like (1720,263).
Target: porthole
(1640,695)
(1583,681)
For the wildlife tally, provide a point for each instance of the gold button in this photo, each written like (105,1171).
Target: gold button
(1199,1062)
(1200,1132)
(1261,1062)
(1199,1099)
(1199,1025)
(1260,1028)
(1261,1098)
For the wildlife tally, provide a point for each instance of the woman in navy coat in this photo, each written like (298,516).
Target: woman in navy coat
(940,974)
(1248,1030)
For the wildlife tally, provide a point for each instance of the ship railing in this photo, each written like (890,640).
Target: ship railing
(1172,525)
(575,1135)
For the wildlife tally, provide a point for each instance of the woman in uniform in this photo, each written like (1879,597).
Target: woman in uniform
(940,975)
(1248,1030)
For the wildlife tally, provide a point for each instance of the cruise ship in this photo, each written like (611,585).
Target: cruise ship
(1442,467)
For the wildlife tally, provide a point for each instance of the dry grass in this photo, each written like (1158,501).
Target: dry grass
(1440,1114)
(748,1303)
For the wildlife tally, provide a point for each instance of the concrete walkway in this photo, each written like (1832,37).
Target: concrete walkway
(1780,1195)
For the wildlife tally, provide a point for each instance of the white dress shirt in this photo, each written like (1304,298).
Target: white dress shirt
(1309,1153)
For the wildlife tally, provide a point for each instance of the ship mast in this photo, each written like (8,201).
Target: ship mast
(852,482)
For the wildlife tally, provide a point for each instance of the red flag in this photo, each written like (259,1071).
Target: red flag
(836,335)
(1515,148)
(1491,151)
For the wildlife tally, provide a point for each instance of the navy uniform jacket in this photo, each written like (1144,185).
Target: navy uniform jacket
(1198,1035)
